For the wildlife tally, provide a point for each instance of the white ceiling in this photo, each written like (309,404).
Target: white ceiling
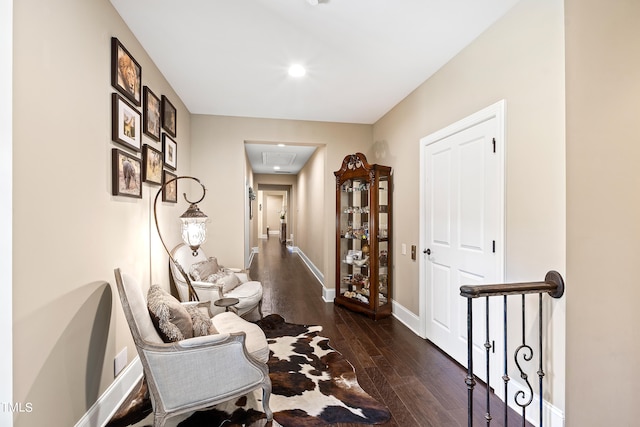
(230,57)
(288,158)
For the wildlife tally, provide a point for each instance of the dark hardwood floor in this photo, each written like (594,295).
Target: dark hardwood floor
(420,385)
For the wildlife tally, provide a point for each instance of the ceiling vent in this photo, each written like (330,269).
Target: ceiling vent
(271,158)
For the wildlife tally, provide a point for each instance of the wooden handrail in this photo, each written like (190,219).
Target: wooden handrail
(553,285)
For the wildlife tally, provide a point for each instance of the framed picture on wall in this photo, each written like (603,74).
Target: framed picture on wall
(170,191)
(125,174)
(126,73)
(170,151)
(151,165)
(126,125)
(169,117)
(151,114)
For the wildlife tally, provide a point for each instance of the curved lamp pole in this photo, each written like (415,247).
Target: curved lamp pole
(194,228)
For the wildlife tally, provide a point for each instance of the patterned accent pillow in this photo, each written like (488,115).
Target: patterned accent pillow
(229,282)
(171,319)
(227,279)
(201,270)
(201,322)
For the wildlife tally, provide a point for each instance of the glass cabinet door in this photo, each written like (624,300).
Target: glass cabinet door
(354,240)
(383,240)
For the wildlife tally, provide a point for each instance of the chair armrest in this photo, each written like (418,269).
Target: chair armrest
(204,285)
(203,341)
(184,370)
(207,291)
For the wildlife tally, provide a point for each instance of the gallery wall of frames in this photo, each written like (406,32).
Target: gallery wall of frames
(137,110)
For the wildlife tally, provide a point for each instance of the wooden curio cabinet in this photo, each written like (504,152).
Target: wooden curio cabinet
(363,237)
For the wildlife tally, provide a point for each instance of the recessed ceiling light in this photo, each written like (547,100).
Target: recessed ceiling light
(276,168)
(297,70)
(281,145)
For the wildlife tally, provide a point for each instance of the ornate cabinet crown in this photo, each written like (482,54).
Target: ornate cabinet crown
(363,236)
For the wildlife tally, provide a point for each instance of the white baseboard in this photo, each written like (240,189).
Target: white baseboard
(101,412)
(252,255)
(406,317)
(315,271)
(328,295)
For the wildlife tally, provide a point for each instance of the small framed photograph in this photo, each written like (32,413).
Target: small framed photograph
(169,192)
(126,123)
(151,112)
(170,151)
(126,73)
(125,174)
(151,165)
(169,119)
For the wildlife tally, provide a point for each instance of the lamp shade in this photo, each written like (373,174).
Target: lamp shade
(194,227)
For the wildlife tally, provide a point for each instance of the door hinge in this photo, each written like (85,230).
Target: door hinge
(493,346)
(494,145)
(494,246)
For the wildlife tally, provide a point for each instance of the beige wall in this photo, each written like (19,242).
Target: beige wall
(251,237)
(313,211)
(272,206)
(217,158)
(603,212)
(519,59)
(70,232)
(6,208)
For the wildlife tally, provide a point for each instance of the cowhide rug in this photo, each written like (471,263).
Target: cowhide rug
(312,385)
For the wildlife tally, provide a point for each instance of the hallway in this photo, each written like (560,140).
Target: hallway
(420,385)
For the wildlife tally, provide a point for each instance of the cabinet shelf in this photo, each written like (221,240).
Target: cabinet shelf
(364,207)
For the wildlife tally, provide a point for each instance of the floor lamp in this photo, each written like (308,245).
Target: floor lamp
(194,227)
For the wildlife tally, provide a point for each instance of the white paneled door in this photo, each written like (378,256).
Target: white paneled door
(462,232)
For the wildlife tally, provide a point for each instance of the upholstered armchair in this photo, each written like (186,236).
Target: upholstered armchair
(212,282)
(198,372)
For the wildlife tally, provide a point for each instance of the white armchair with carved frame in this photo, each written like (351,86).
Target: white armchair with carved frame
(198,372)
(233,283)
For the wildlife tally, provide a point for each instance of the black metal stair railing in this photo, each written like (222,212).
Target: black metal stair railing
(553,285)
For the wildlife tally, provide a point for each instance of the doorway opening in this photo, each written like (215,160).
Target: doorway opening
(274,212)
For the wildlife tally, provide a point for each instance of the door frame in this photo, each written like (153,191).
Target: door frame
(496,111)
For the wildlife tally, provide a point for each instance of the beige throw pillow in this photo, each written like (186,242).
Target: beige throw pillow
(171,319)
(228,281)
(201,270)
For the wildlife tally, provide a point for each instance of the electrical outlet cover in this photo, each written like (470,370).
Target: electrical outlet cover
(120,362)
